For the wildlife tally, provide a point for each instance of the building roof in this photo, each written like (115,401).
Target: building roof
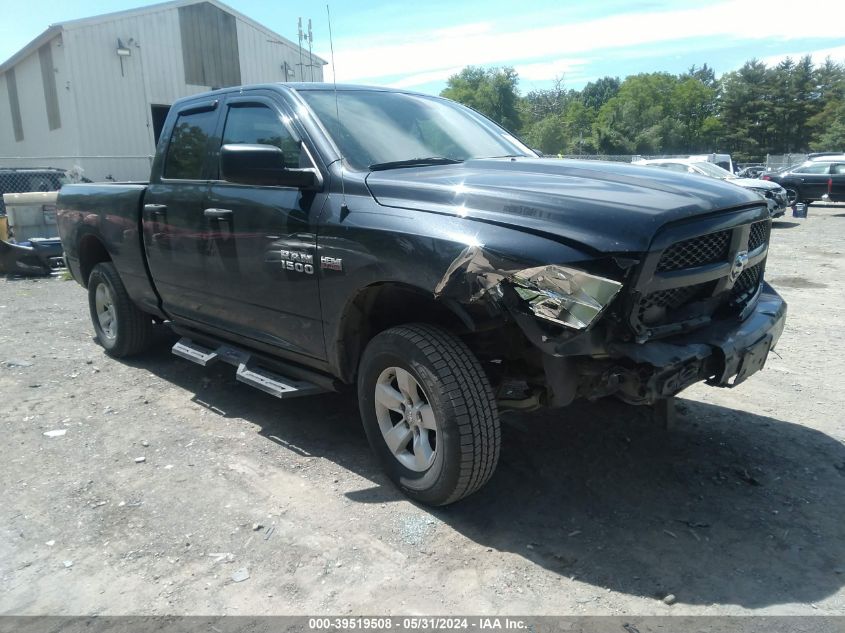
(55,29)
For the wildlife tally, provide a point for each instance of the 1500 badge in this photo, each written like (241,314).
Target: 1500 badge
(296,261)
(300,262)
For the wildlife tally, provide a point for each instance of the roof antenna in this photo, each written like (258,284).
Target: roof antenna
(344,208)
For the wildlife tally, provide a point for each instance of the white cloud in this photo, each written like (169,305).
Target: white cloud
(540,71)
(487,43)
(836,53)
(423,78)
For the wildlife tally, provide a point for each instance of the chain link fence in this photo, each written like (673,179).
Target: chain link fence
(617,158)
(776,162)
(83,168)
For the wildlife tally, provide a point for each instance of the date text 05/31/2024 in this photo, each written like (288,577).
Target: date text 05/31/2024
(417,623)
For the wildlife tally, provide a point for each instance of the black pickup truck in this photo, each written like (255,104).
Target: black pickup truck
(317,238)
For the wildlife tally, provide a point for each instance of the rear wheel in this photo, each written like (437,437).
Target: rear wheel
(792,196)
(429,413)
(120,327)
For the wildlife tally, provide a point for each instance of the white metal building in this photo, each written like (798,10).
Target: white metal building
(94,92)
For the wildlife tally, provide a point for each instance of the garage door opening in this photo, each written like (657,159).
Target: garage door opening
(159,114)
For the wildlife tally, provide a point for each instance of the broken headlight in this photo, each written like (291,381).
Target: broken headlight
(566,296)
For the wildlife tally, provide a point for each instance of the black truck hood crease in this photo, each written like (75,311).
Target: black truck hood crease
(608,207)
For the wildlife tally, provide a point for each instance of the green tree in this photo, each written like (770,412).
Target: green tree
(745,111)
(704,74)
(639,119)
(692,103)
(493,92)
(830,128)
(596,93)
(538,104)
(569,132)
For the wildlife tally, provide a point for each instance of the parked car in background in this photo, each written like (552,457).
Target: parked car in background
(751,171)
(720,160)
(775,195)
(821,178)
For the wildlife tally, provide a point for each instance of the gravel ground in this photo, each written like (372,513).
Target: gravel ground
(172,489)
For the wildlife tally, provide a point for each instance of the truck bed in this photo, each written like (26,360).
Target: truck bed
(110,212)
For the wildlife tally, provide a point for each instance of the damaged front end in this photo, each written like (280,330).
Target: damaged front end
(695,308)
(38,257)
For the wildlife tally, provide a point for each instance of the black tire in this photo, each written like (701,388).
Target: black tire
(793,196)
(133,329)
(454,385)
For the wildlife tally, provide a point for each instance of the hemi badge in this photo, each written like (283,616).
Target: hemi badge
(331,263)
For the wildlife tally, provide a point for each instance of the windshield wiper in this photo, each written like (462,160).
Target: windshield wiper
(415,162)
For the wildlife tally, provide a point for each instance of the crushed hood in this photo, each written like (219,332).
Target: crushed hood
(609,207)
(754,183)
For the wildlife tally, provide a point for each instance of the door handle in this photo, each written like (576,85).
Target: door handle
(218,214)
(155,209)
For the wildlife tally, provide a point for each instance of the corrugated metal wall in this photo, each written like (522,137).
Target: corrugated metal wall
(264,57)
(209,46)
(46,131)
(105,112)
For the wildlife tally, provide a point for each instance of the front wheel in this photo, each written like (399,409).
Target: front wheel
(120,327)
(429,413)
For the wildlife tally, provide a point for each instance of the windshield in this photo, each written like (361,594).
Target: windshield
(378,127)
(714,171)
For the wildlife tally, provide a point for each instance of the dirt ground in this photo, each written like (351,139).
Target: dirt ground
(593,510)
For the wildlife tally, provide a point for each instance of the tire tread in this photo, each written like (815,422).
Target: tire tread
(135,327)
(468,389)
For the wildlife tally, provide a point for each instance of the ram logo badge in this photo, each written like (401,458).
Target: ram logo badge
(740,261)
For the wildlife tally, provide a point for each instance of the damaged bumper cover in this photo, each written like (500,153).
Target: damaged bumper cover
(591,364)
(40,257)
(723,354)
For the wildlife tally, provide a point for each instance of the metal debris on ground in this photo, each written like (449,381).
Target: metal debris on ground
(240,575)
(140,460)
(56,433)
(11,364)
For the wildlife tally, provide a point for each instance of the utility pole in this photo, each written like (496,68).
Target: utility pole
(301,69)
(310,56)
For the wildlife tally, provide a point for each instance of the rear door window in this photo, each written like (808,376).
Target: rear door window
(188,148)
(813,168)
(838,170)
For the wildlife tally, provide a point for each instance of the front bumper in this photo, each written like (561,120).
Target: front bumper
(724,354)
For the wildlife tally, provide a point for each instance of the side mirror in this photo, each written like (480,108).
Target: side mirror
(263,165)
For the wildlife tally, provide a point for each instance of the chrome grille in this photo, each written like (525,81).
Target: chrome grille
(688,283)
(655,306)
(697,251)
(747,282)
(759,234)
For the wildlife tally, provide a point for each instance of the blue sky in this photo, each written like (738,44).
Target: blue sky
(418,45)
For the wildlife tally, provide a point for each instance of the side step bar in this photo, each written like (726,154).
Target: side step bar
(248,371)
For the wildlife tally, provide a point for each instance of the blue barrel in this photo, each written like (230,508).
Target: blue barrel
(799,210)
